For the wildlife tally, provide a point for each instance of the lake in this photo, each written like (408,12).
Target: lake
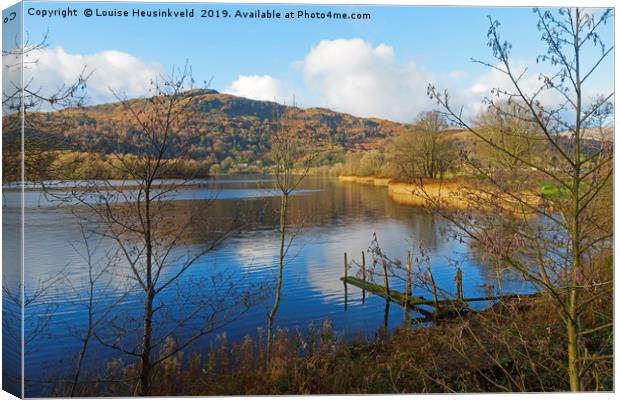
(329,217)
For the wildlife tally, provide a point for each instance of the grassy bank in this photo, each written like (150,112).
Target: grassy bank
(456,193)
(450,192)
(369,180)
(514,346)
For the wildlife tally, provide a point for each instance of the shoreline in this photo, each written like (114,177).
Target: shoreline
(449,192)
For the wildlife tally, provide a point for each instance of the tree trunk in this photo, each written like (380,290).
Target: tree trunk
(144,387)
(145,356)
(78,368)
(572,331)
(572,322)
(276,304)
(573,356)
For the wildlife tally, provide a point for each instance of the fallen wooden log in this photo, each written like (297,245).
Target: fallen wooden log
(415,302)
(394,295)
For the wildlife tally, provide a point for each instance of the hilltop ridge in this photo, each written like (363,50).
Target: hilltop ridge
(230,129)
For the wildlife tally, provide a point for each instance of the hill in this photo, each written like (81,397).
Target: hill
(228,131)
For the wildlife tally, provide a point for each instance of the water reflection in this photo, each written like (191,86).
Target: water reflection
(330,218)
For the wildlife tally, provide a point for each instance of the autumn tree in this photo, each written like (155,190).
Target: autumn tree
(422,151)
(508,126)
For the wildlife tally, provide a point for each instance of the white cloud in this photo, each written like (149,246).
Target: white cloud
(256,87)
(11,78)
(111,70)
(529,83)
(353,76)
(457,74)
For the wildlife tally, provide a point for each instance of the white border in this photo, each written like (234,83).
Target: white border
(486,3)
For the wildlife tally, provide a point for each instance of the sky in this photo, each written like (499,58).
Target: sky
(379,67)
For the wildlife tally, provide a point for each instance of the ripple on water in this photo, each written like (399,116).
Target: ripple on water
(335,217)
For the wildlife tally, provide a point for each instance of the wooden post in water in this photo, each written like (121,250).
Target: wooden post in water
(346,274)
(386,317)
(363,276)
(407,288)
(434,287)
(385,280)
(459,284)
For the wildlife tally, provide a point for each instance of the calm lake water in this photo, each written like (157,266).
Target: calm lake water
(332,218)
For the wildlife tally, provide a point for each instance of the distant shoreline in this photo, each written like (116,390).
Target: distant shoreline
(449,193)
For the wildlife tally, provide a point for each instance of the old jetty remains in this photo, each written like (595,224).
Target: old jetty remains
(439,308)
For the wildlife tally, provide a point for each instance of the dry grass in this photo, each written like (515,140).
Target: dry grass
(460,194)
(455,193)
(368,180)
(515,346)
(447,192)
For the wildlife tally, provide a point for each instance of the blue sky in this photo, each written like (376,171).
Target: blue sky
(394,55)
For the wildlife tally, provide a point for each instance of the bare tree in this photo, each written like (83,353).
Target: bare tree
(153,233)
(552,238)
(21,102)
(25,155)
(98,285)
(35,298)
(292,154)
